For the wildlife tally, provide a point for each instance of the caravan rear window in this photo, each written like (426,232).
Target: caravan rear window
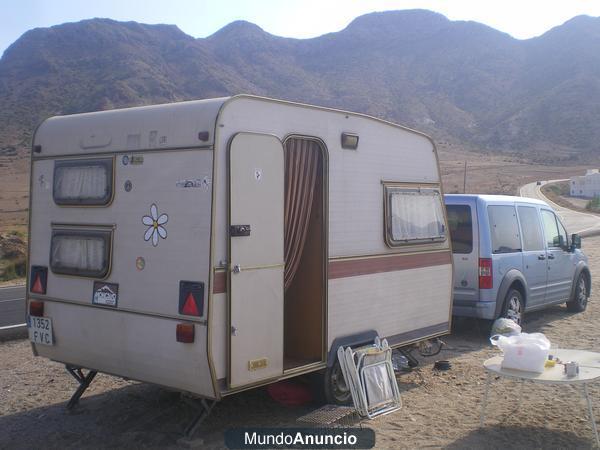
(83,182)
(80,252)
(414,215)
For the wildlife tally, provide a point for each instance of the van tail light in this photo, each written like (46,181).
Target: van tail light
(486,278)
(36,308)
(39,277)
(185,333)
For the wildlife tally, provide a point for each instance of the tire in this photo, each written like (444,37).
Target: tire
(514,306)
(579,301)
(336,390)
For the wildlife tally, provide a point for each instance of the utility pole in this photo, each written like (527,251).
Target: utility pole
(465,180)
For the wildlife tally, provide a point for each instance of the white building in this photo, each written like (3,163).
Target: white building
(587,186)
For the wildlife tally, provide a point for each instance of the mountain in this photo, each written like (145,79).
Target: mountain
(456,80)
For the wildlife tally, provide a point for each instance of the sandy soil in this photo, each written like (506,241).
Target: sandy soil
(14,191)
(441,409)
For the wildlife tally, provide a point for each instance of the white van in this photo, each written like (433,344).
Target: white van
(212,246)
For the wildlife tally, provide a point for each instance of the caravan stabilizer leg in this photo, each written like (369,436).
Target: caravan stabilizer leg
(83,380)
(203,409)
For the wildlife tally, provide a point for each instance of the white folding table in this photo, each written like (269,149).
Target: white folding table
(589,371)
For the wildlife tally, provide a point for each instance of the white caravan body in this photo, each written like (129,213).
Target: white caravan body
(147,222)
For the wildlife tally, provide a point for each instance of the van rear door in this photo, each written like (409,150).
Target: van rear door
(462,221)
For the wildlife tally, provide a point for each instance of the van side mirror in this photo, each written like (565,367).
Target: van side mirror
(575,241)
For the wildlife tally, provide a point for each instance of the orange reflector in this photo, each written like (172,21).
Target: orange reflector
(191,298)
(189,306)
(185,333)
(36,308)
(37,285)
(37,279)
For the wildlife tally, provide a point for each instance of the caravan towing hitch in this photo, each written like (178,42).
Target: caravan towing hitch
(84,382)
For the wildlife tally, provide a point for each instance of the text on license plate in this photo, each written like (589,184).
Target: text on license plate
(40,330)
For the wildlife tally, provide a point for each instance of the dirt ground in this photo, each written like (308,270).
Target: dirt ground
(441,409)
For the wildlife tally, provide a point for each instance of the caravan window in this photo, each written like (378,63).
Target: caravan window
(83,182)
(80,252)
(414,215)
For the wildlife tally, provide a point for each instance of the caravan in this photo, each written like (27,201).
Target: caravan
(217,245)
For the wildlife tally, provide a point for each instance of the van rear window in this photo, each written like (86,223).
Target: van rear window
(80,252)
(461,228)
(83,182)
(504,229)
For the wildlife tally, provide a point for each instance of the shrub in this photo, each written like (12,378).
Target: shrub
(593,204)
(14,269)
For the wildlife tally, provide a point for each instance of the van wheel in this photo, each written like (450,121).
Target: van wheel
(336,390)
(514,307)
(579,301)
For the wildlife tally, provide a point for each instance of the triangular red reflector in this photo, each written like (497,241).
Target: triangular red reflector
(189,306)
(37,285)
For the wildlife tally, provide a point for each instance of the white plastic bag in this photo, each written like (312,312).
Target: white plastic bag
(525,351)
(506,327)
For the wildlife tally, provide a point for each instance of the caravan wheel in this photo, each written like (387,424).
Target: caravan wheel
(336,389)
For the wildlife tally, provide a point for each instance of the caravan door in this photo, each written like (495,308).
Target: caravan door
(256,177)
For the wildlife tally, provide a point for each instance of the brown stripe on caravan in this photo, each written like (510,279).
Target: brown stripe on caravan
(365,266)
(220,282)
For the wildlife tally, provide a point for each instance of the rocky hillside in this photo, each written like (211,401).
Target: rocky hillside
(459,81)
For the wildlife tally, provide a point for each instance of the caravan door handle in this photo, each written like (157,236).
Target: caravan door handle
(541,257)
(550,256)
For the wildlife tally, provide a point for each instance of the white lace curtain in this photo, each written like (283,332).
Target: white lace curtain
(416,216)
(79,253)
(301,170)
(81,182)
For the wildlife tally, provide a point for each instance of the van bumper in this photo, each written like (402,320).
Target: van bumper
(479,310)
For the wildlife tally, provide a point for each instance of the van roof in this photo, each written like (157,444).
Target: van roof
(488,198)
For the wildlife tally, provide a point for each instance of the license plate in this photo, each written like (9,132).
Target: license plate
(40,330)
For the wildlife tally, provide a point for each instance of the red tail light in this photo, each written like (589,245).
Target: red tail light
(36,308)
(185,333)
(486,277)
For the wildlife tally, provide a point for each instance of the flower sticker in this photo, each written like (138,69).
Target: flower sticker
(155,225)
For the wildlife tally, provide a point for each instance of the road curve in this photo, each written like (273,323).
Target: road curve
(576,222)
(12,306)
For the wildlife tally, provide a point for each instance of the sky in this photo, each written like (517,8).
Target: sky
(521,19)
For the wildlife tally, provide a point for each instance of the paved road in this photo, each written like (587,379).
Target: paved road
(12,306)
(576,222)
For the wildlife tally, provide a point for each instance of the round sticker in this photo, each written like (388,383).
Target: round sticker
(125,160)
(140,263)
(128,186)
